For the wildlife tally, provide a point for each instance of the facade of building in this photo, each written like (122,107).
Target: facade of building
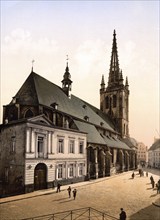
(142,154)
(49,136)
(154,155)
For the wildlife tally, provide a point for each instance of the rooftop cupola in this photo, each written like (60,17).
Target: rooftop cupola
(67,82)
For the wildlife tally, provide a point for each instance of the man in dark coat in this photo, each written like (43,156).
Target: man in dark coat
(58,187)
(74,193)
(122,215)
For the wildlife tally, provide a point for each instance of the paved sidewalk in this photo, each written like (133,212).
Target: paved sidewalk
(51,190)
(108,194)
(63,188)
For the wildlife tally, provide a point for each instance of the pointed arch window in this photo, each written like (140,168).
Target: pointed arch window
(107,102)
(124,129)
(114,101)
(29,114)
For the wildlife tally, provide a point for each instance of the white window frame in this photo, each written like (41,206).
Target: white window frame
(40,145)
(81,147)
(80,169)
(60,171)
(71,146)
(71,170)
(60,148)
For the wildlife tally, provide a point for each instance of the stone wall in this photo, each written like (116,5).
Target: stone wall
(12,158)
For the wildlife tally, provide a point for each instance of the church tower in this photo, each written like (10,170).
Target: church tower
(114,99)
(67,82)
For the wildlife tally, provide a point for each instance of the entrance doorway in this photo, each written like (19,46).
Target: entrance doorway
(40,175)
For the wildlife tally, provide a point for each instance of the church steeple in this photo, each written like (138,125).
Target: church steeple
(115,74)
(114,100)
(67,82)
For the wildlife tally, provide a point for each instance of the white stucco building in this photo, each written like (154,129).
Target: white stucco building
(154,154)
(142,153)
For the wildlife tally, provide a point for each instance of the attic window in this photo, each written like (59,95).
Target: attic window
(86,118)
(54,105)
(84,106)
(42,121)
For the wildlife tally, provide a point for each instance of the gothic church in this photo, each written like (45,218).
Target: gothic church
(49,135)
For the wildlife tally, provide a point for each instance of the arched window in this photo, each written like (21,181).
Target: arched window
(114,101)
(124,129)
(107,102)
(28,114)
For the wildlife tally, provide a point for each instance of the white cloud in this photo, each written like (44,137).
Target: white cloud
(21,41)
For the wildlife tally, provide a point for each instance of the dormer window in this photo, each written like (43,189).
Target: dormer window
(54,105)
(86,118)
(101,123)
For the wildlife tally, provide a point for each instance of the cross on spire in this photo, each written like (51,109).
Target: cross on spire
(32,64)
(67,57)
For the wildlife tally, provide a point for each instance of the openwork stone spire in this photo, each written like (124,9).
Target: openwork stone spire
(115,74)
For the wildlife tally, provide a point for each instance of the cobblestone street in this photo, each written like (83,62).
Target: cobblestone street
(108,194)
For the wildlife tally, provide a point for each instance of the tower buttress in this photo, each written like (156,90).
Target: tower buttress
(102,83)
(114,99)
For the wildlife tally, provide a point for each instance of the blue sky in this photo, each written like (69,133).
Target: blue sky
(47,31)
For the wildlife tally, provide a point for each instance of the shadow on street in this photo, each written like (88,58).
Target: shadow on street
(144,214)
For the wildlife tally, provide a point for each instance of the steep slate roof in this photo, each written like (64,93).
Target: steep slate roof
(37,90)
(155,146)
(27,94)
(131,142)
(93,136)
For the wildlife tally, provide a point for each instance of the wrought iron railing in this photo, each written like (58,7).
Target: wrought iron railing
(76,214)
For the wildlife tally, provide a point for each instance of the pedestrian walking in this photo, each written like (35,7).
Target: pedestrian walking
(146,174)
(74,193)
(58,187)
(153,184)
(122,215)
(133,175)
(69,191)
(158,189)
(151,179)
